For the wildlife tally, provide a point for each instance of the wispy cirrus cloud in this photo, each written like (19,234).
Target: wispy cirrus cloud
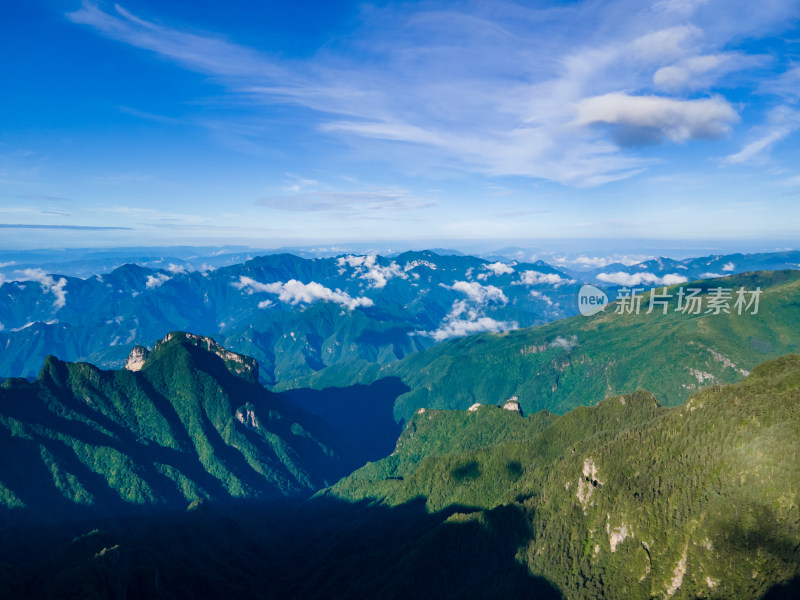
(73,227)
(779,125)
(361,201)
(469,85)
(42,198)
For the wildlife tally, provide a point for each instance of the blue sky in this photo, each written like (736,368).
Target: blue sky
(271,123)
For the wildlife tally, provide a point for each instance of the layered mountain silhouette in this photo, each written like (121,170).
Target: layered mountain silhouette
(649,454)
(577,361)
(297,315)
(626,499)
(184,422)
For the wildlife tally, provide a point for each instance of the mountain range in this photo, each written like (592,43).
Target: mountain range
(576,361)
(187,421)
(625,499)
(296,315)
(330,429)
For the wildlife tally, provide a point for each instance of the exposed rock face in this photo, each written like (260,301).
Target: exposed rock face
(587,483)
(677,574)
(513,404)
(240,365)
(247,416)
(136,358)
(617,535)
(474,407)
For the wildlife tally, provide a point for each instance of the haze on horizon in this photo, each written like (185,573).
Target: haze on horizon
(268,124)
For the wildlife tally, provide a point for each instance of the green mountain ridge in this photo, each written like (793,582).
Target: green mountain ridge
(579,360)
(186,421)
(627,499)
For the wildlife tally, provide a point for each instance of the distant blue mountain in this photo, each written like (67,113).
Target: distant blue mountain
(297,315)
(294,315)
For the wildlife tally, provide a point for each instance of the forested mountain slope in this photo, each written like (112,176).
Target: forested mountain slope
(626,499)
(580,360)
(184,422)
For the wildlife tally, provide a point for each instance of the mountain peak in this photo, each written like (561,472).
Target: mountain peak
(238,364)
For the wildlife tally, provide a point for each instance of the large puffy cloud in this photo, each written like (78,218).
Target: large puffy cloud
(482,294)
(462,320)
(296,292)
(633,279)
(650,119)
(368,268)
(48,283)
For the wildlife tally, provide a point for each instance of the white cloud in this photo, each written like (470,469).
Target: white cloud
(461,327)
(786,85)
(482,294)
(630,280)
(666,44)
(729,267)
(592,261)
(710,275)
(510,80)
(700,71)
(499,268)
(296,292)
(157,280)
(650,119)
(266,304)
(756,149)
(367,267)
(48,283)
(540,296)
(538,278)
(461,321)
(376,202)
(780,124)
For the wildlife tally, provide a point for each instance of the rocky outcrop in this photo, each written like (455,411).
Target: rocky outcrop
(247,416)
(238,364)
(137,358)
(513,404)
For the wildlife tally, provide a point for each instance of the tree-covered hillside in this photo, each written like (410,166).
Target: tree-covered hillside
(186,421)
(626,499)
(623,500)
(577,361)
